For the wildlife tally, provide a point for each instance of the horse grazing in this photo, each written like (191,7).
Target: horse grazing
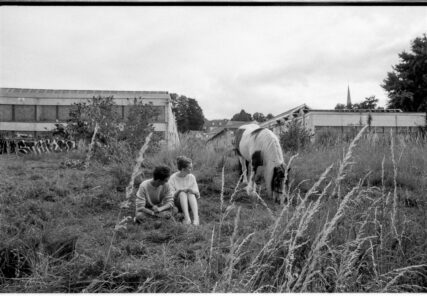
(257,147)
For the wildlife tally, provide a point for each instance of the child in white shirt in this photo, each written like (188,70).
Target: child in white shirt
(186,191)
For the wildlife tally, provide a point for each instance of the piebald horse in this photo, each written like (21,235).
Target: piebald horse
(257,147)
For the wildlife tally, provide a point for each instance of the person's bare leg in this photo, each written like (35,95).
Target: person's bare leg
(183,200)
(192,200)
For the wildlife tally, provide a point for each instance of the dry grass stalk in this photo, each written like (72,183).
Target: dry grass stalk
(395,200)
(136,171)
(257,261)
(236,188)
(209,268)
(270,212)
(129,190)
(346,162)
(232,256)
(221,205)
(288,166)
(91,147)
(350,257)
(322,240)
(382,177)
(221,197)
(276,238)
(304,222)
(400,272)
(375,267)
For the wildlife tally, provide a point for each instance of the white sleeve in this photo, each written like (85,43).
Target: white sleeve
(172,184)
(194,185)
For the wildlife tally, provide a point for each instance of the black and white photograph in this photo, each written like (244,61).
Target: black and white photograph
(213,147)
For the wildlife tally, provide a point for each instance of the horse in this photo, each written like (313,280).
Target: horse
(260,147)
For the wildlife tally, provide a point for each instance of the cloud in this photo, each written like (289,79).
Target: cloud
(261,59)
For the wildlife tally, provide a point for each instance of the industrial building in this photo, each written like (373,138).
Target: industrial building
(380,121)
(34,112)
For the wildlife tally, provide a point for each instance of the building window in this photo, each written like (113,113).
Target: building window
(46,113)
(159,113)
(6,113)
(25,113)
(64,112)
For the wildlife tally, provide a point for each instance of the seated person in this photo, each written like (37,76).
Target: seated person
(186,191)
(154,196)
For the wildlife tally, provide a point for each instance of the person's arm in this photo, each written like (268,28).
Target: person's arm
(167,201)
(174,187)
(194,188)
(141,201)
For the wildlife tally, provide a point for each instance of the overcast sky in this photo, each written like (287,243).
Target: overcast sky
(260,59)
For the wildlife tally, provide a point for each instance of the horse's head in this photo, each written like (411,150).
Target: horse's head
(279,183)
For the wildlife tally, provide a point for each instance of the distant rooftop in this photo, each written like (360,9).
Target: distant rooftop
(68,93)
(358,110)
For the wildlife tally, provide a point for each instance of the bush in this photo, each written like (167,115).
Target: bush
(295,138)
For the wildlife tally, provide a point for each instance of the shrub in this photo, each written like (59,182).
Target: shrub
(295,137)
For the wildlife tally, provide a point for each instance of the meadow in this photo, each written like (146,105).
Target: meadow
(355,221)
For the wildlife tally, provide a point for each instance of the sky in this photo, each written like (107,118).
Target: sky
(265,59)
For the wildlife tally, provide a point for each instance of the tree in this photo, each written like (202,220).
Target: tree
(137,125)
(340,107)
(188,113)
(406,85)
(259,117)
(269,116)
(295,138)
(368,103)
(242,116)
(98,110)
(196,119)
(112,128)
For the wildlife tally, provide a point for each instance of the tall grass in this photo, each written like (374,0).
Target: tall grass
(354,222)
(294,259)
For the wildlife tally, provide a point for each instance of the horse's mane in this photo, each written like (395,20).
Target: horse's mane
(257,131)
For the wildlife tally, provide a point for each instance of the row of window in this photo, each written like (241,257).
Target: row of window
(47,134)
(376,129)
(49,113)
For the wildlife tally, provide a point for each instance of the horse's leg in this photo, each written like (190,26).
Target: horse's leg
(244,170)
(256,161)
(249,188)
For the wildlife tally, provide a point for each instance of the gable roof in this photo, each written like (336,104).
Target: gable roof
(286,115)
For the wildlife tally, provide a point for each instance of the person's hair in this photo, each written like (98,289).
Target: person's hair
(182,162)
(161,173)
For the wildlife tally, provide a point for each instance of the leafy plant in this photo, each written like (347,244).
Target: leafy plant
(295,137)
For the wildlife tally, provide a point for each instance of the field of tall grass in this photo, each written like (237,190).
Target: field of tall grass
(355,221)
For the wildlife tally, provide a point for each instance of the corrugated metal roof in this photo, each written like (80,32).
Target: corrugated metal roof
(68,93)
(285,114)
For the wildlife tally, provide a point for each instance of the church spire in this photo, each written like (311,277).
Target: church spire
(348,98)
